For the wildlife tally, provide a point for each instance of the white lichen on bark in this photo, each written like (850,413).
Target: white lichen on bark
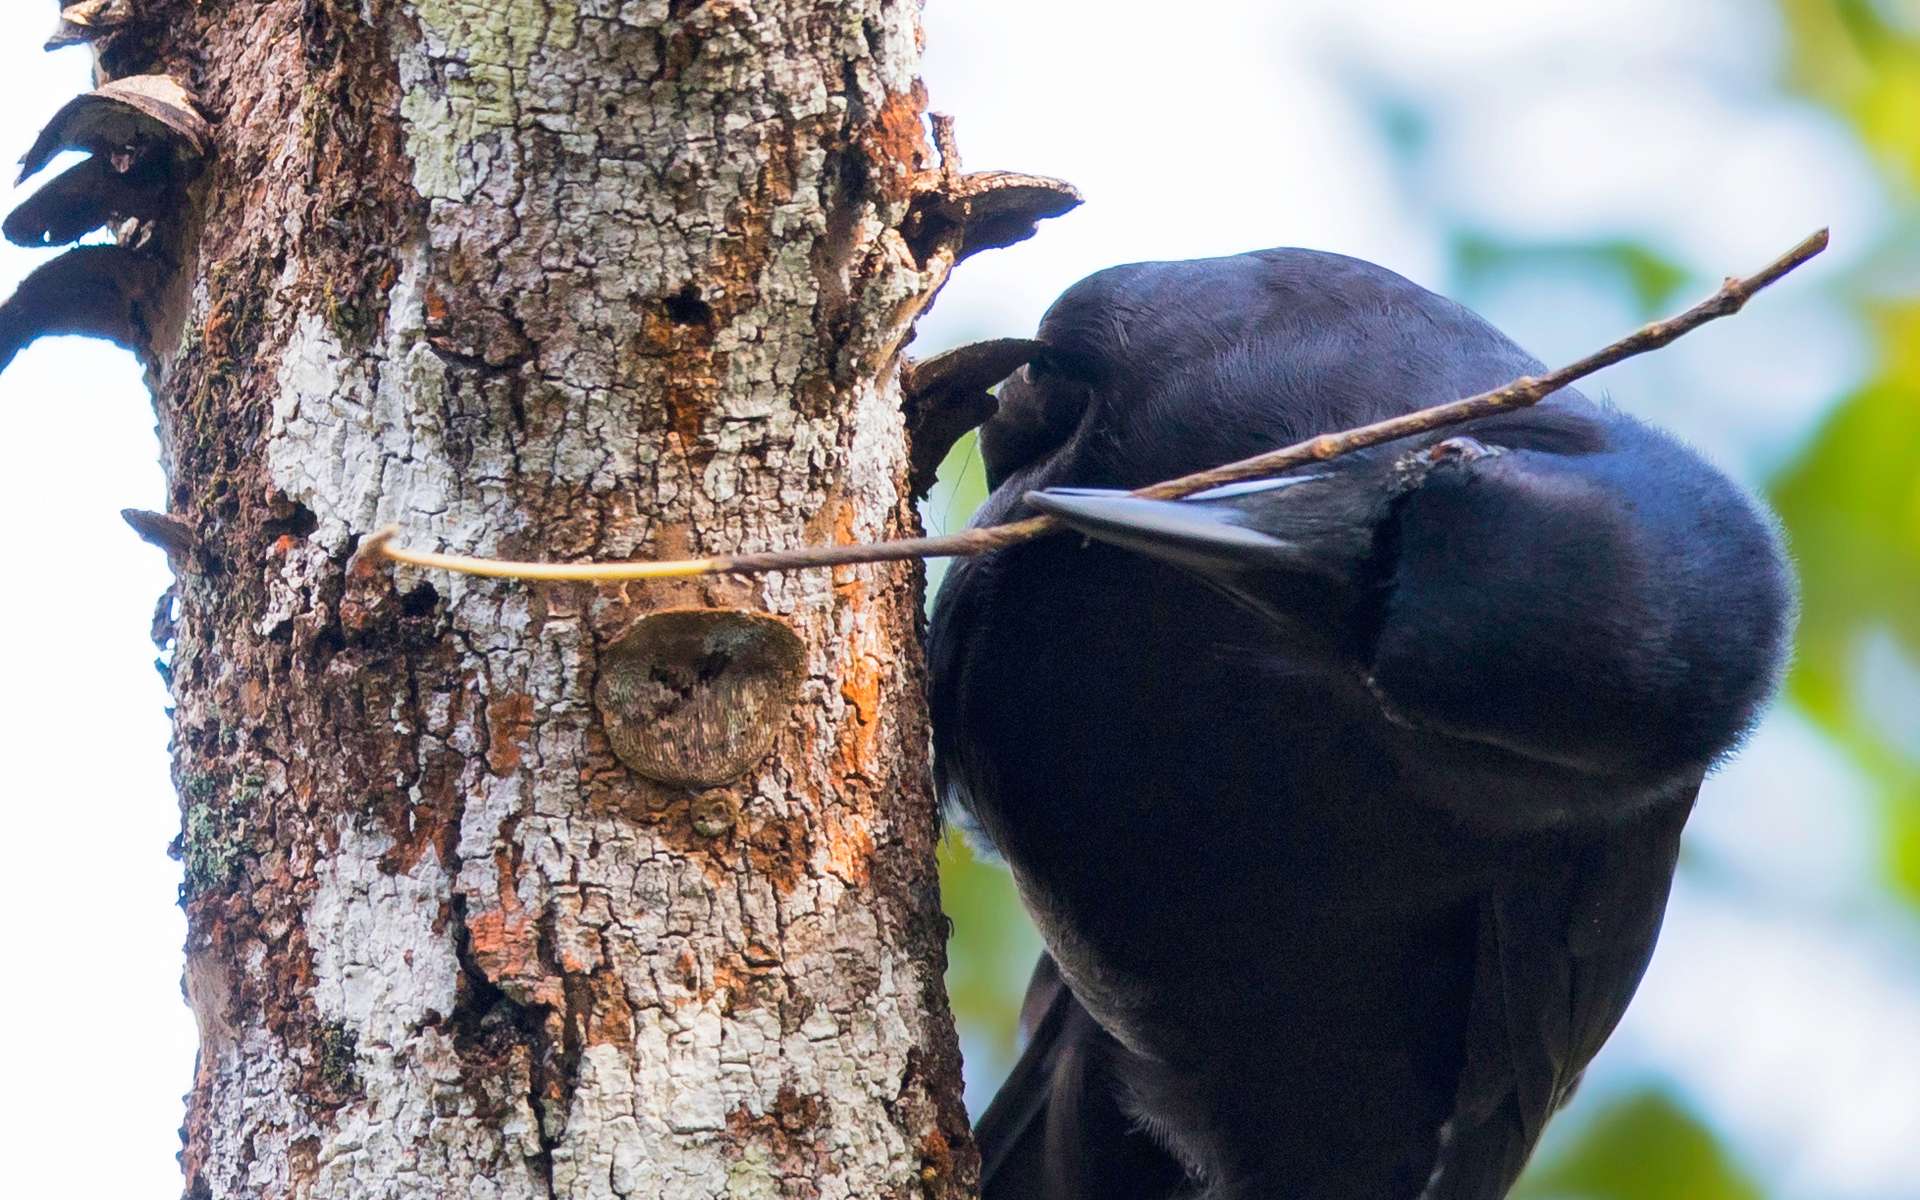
(663,1023)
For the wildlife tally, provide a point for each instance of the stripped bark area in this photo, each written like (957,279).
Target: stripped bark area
(592,278)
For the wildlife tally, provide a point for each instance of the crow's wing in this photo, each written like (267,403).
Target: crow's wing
(1058,1128)
(1561,950)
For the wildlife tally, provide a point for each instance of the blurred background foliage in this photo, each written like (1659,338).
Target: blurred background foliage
(1852,500)
(1846,486)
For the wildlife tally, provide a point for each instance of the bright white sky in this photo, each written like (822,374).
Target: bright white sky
(1788,1005)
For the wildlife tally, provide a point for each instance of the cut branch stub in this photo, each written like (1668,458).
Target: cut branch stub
(147,140)
(123,120)
(695,697)
(87,196)
(946,395)
(164,530)
(89,20)
(94,291)
(990,208)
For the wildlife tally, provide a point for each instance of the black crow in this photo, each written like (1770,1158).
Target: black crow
(1347,802)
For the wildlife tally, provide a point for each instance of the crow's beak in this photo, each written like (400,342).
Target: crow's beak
(1300,549)
(1197,536)
(1297,525)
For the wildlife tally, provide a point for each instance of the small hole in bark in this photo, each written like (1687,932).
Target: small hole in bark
(420,602)
(677,9)
(714,812)
(295,519)
(924,227)
(695,697)
(685,307)
(328,642)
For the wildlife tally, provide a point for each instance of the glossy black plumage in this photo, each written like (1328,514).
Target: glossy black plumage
(1348,806)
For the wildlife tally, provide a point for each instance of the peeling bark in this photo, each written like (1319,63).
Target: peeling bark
(553,278)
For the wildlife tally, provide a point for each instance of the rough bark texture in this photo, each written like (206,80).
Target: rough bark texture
(546,278)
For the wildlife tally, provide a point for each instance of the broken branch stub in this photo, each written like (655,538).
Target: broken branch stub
(165,530)
(66,33)
(121,121)
(147,141)
(946,395)
(1003,207)
(695,697)
(90,20)
(93,291)
(86,197)
(990,208)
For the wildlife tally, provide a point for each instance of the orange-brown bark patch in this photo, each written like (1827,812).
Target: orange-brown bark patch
(681,347)
(896,142)
(936,1156)
(509,723)
(854,768)
(779,850)
(429,820)
(607,1018)
(790,1132)
(506,948)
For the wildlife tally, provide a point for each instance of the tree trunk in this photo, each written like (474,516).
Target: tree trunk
(499,890)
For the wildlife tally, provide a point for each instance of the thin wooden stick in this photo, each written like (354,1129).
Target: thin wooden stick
(1528,390)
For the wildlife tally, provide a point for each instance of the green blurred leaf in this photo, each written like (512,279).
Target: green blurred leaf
(993,947)
(959,487)
(1861,60)
(1851,505)
(1852,502)
(1903,838)
(1644,1147)
(1653,278)
(1852,510)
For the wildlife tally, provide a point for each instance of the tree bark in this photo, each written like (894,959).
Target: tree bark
(505,891)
